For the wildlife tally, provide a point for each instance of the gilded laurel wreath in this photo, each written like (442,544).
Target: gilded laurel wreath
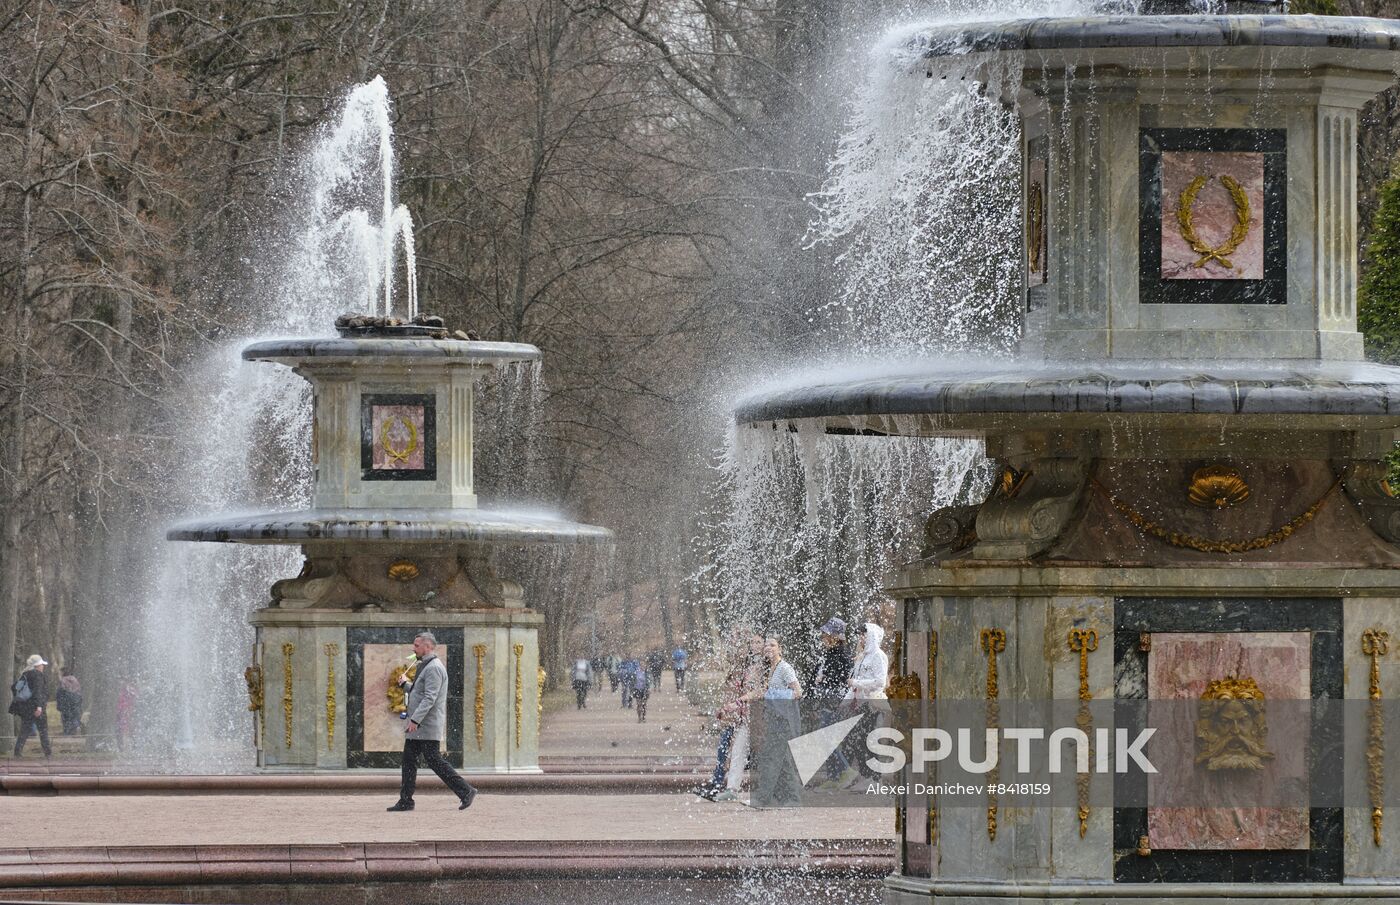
(402,453)
(1184,218)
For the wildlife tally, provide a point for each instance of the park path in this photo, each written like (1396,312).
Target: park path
(676,730)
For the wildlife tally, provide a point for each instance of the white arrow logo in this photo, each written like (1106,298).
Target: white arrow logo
(810,751)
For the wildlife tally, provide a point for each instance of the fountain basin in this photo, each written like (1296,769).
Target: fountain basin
(1352,34)
(368,350)
(964,397)
(481,526)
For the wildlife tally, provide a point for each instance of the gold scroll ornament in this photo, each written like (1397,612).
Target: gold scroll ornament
(540,678)
(901,687)
(1375,643)
(253,678)
(1035,228)
(519,690)
(402,453)
(288,648)
(1185,221)
(1084,641)
(332,651)
(993,643)
(480,718)
(932,696)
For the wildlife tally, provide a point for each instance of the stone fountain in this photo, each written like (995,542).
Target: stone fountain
(1192,502)
(394,544)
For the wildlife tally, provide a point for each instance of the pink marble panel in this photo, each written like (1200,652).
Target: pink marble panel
(1180,666)
(384,731)
(398,437)
(1214,214)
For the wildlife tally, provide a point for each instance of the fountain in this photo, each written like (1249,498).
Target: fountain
(1191,501)
(394,541)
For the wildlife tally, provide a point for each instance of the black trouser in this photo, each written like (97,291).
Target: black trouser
(581,690)
(428,748)
(28,726)
(641,698)
(680,678)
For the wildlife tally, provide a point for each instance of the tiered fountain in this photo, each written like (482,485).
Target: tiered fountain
(394,541)
(394,544)
(1192,504)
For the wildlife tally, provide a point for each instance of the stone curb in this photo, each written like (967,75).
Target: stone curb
(371,862)
(376,783)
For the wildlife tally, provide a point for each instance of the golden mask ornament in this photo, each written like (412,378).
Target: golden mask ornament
(1231,729)
(398,697)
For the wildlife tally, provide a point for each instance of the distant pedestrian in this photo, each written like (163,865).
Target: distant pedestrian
(426,698)
(30,694)
(599,667)
(583,680)
(614,662)
(626,674)
(70,702)
(126,713)
(641,691)
(656,665)
(679,661)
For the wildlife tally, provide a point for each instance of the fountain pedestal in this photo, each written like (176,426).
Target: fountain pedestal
(394,544)
(1191,505)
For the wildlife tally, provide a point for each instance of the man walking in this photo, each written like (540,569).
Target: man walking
(31,693)
(427,725)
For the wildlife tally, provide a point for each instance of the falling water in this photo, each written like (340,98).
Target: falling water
(241,441)
(922,205)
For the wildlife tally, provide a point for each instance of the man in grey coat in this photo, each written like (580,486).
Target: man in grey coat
(427,726)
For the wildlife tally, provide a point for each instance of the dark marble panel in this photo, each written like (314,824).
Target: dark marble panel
(1322,617)
(1272,288)
(355,641)
(428,403)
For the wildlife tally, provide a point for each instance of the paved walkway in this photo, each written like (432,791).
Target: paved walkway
(187,820)
(675,728)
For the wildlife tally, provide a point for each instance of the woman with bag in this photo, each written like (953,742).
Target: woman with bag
(31,693)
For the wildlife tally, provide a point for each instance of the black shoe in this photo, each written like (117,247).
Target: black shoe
(468,798)
(401,806)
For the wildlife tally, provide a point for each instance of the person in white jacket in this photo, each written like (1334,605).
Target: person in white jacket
(872,670)
(869,678)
